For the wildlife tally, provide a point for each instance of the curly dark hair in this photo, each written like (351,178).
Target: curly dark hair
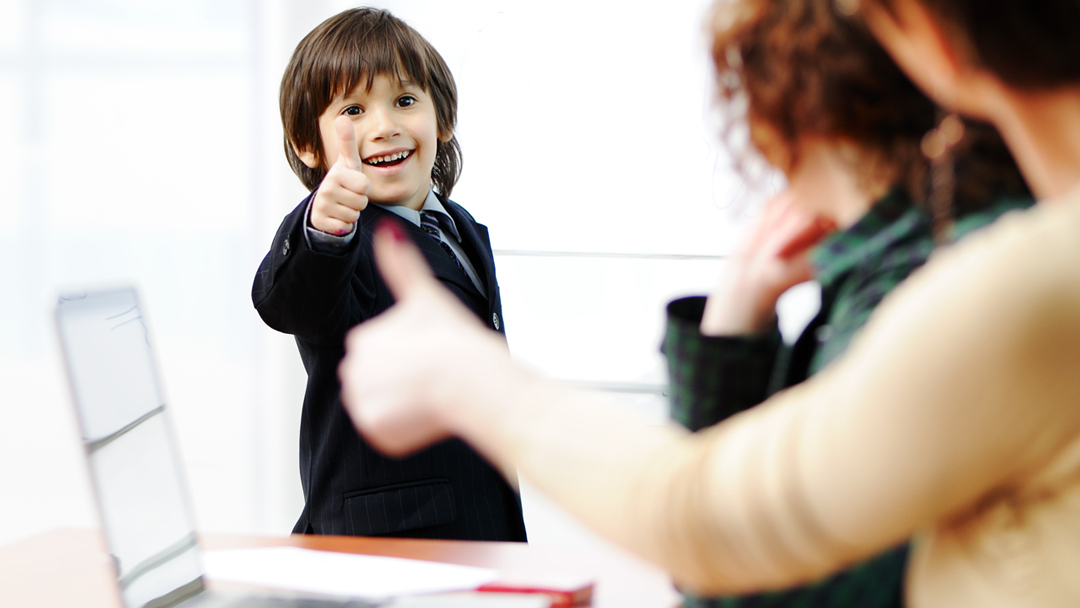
(352,47)
(794,69)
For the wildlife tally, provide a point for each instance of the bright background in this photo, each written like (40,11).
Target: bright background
(140,142)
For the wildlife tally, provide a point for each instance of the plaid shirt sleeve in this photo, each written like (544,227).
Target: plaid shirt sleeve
(711,378)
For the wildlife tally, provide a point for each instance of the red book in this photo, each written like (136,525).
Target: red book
(565,592)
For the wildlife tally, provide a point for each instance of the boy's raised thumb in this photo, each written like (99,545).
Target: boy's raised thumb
(347,149)
(403,267)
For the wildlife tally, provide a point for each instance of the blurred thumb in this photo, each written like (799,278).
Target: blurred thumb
(347,149)
(401,264)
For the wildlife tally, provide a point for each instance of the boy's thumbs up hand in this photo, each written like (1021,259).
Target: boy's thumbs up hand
(342,194)
(407,372)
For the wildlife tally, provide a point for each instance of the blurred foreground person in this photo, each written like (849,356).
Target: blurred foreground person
(824,103)
(953,418)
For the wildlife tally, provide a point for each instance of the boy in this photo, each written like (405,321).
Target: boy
(369,108)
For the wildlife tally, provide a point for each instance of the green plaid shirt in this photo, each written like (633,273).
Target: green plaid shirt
(712,378)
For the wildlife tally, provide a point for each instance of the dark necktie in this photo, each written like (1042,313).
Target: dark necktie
(429,222)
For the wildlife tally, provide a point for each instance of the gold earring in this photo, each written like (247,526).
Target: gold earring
(937,146)
(941,139)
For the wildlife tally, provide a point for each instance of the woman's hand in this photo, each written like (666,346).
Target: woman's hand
(409,374)
(772,261)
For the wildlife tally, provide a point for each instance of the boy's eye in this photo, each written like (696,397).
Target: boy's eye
(405,101)
(352,111)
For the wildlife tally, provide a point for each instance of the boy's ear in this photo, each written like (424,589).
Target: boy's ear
(306,156)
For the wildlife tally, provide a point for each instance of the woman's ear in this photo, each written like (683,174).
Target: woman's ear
(447,136)
(943,67)
(306,156)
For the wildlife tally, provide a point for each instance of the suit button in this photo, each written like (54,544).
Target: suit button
(285,247)
(495,319)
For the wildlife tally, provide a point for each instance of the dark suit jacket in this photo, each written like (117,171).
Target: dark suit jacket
(446,491)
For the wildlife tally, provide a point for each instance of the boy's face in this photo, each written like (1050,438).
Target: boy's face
(396,133)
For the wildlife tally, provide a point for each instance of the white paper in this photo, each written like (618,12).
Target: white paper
(342,574)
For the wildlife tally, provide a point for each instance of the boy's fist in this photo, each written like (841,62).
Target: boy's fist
(342,194)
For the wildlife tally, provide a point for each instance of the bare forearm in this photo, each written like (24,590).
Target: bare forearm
(705,507)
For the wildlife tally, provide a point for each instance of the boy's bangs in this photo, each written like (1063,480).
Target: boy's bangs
(386,51)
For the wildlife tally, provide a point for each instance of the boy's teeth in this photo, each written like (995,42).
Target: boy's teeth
(390,158)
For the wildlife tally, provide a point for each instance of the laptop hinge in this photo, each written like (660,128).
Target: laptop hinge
(178,595)
(95,445)
(158,559)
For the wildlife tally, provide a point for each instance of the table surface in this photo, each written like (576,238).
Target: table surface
(69,567)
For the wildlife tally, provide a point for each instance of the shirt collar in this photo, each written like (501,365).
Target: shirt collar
(431,203)
(891,219)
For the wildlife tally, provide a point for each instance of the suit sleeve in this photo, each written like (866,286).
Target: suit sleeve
(315,296)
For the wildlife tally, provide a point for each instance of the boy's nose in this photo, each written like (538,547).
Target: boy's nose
(383,124)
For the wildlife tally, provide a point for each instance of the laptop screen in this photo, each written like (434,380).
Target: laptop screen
(133,459)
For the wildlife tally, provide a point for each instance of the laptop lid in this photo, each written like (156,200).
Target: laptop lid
(130,447)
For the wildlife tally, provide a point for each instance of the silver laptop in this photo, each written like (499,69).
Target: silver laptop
(134,465)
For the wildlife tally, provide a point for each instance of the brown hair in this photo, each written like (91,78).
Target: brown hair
(355,45)
(800,68)
(1031,44)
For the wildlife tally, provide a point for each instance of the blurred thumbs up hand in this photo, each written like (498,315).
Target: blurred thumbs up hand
(424,369)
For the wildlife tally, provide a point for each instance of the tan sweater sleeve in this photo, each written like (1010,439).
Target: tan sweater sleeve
(966,381)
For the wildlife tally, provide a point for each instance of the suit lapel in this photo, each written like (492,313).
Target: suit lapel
(477,245)
(442,266)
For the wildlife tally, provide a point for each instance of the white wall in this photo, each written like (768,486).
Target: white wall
(141,143)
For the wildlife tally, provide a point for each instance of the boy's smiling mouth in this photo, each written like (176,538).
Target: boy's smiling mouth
(388,160)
